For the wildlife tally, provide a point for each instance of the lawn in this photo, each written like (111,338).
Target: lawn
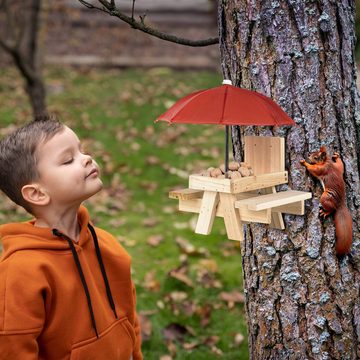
(189,286)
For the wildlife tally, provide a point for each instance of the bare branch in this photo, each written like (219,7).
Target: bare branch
(132,10)
(112,10)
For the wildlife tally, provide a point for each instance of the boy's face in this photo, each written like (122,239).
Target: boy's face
(66,174)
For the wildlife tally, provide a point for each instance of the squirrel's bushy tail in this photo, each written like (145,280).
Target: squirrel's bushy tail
(343,229)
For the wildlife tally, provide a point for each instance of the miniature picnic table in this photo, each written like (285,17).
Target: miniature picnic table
(248,199)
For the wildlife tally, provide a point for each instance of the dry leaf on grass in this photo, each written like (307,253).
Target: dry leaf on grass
(189,249)
(155,240)
(181,277)
(238,339)
(232,297)
(150,283)
(145,326)
(165,357)
(174,332)
(150,222)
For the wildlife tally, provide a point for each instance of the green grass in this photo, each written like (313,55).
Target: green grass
(113,113)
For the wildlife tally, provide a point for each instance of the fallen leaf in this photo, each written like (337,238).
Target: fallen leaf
(232,297)
(166,357)
(171,347)
(155,240)
(216,351)
(238,339)
(189,249)
(205,314)
(174,331)
(160,304)
(191,346)
(152,160)
(150,283)
(145,326)
(209,264)
(181,277)
(211,340)
(150,222)
(178,296)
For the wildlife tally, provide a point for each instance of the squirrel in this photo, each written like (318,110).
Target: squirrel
(330,172)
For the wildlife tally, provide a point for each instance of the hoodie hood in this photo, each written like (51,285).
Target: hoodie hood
(25,235)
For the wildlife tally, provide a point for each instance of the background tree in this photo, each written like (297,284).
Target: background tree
(19,37)
(302,302)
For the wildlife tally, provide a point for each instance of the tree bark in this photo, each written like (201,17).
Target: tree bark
(302,302)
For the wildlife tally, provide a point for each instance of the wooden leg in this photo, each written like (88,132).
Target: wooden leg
(277,221)
(232,221)
(207,212)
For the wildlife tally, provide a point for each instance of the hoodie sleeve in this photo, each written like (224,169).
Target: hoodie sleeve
(137,355)
(22,310)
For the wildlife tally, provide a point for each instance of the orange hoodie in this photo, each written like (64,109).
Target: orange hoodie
(65,300)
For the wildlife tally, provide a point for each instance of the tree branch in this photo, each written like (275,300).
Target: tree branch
(111,9)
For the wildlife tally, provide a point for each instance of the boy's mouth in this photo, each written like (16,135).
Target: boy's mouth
(93,173)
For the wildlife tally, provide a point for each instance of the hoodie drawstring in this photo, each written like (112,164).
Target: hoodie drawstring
(102,268)
(82,276)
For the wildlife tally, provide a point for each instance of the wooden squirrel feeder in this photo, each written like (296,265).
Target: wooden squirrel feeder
(248,199)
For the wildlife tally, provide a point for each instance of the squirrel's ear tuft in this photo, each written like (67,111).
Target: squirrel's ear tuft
(323,153)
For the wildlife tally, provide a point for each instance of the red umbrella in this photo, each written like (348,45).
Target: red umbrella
(226,105)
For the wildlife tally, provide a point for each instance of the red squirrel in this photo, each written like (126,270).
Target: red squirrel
(330,172)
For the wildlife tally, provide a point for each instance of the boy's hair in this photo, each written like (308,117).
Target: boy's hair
(18,165)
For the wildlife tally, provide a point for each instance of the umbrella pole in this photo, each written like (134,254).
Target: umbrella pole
(226,150)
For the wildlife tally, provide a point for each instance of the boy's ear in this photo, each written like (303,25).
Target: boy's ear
(35,195)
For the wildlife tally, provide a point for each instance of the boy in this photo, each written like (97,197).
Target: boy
(65,286)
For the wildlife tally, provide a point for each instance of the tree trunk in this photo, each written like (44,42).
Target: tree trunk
(19,38)
(302,302)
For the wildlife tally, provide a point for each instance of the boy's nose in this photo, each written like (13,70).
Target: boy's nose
(87,160)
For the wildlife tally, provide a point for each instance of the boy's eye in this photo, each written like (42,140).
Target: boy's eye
(68,161)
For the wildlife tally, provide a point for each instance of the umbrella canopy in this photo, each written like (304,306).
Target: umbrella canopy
(226,105)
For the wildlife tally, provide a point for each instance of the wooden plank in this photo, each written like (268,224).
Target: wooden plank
(234,186)
(259,182)
(199,182)
(207,212)
(277,220)
(266,154)
(185,194)
(233,224)
(246,215)
(296,208)
(275,199)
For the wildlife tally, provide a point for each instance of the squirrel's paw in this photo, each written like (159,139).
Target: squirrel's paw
(335,156)
(323,213)
(302,162)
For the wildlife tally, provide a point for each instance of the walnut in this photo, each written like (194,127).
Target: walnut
(216,172)
(233,165)
(244,171)
(235,175)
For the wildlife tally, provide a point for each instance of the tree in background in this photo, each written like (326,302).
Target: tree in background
(19,37)
(302,301)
